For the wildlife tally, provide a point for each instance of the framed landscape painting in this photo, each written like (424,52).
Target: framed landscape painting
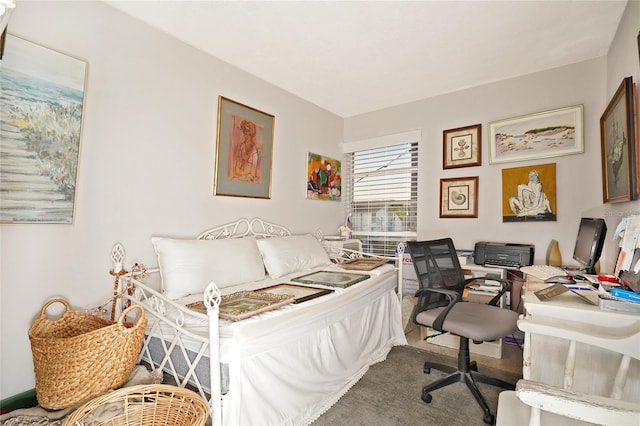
(244,151)
(41,111)
(541,135)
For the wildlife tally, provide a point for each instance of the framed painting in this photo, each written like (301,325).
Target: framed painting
(299,292)
(462,147)
(244,151)
(618,134)
(245,304)
(541,135)
(459,197)
(529,193)
(41,110)
(324,181)
(331,278)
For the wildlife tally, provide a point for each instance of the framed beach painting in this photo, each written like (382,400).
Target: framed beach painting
(41,110)
(462,147)
(244,151)
(618,141)
(459,197)
(542,135)
(529,193)
(324,177)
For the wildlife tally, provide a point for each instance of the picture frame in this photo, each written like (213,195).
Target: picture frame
(544,134)
(41,114)
(324,177)
(245,304)
(362,264)
(331,278)
(244,151)
(529,193)
(299,292)
(459,197)
(618,142)
(462,147)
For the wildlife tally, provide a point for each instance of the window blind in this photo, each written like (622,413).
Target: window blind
(382,189)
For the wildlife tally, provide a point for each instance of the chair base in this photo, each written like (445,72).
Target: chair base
(467,372)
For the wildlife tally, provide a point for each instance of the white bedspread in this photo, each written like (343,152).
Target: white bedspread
(288,366)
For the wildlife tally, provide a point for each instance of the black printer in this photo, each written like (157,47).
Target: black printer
(509,255)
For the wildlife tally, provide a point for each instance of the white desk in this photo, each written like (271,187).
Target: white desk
(595,370)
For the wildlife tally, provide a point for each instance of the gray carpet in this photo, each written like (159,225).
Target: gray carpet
(389,394)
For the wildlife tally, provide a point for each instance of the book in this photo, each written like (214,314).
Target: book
(558,289)
(629,295)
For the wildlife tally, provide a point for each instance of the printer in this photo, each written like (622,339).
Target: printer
(506,255)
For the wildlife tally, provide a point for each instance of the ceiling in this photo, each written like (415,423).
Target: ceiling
(355,57)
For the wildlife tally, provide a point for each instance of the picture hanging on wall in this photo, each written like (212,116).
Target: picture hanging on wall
(618,135)
(244,151)
(462,147)
(41,111)
(459,197)
(529,193)
(324,178)
(541,135)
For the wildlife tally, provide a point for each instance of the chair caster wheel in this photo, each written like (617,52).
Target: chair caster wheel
(489,419)
(427,370)
(426,397)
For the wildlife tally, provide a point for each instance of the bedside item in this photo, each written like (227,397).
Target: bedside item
(245,304)
(79,355)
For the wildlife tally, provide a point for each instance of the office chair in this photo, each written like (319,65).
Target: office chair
(440,307)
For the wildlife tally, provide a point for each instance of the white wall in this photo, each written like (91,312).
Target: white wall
(146,164)
(579,177)
(623,61)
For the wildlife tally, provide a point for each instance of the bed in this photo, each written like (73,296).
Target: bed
(285,366)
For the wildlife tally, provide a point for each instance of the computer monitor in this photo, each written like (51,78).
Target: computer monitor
(589,242)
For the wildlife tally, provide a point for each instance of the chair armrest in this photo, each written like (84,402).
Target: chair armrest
(453,297)
(504,286)
(576,405)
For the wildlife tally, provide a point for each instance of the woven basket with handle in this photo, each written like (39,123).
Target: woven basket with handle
(142,405)
(80,355)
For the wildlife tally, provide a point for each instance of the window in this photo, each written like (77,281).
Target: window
(382,189)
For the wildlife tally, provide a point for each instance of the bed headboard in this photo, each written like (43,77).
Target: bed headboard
(243,227)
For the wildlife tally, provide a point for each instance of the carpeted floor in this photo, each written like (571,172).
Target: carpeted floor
(389,394)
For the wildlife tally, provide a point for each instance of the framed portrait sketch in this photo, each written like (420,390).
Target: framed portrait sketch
(244,151)
(459,197)
(462,147)
(324,180)
(541,135)
(618,139)
(41,111)
(529,193)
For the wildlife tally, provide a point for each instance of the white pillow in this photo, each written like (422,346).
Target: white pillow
(188,266)
(295,253)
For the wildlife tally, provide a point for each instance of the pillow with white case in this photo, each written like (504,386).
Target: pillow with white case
(189,266)
(294,253)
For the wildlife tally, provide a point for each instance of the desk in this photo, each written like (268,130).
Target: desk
(595,370)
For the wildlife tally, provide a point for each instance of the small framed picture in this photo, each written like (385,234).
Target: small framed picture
(459,197)
(462,147)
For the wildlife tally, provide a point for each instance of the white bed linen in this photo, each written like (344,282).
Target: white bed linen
(288,366)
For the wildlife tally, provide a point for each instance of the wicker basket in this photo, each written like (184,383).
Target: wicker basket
(143,405)
(79,355)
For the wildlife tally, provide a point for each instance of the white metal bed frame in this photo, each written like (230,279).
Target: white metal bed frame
(133,290)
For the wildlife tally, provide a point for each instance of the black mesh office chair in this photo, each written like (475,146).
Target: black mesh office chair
(440,307)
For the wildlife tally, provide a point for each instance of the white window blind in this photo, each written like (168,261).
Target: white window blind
(382,188)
